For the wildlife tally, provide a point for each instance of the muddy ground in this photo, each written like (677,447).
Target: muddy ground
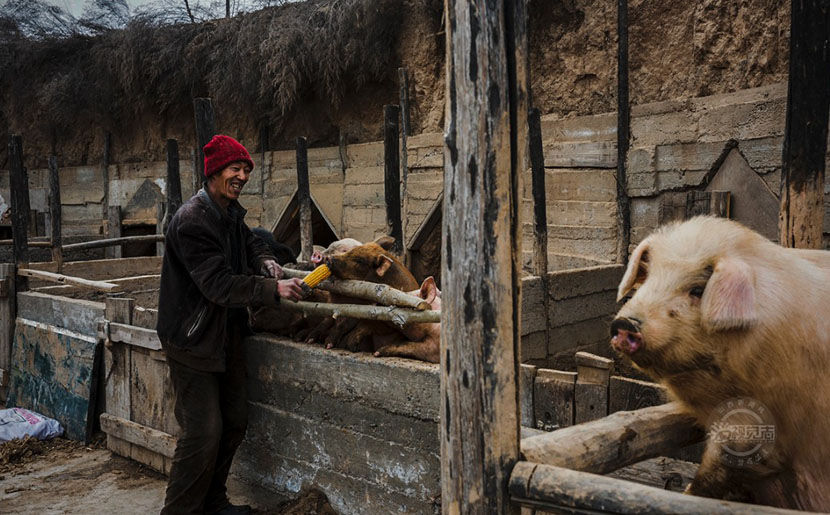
(64,476)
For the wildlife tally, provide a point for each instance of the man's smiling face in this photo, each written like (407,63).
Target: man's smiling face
(227,185)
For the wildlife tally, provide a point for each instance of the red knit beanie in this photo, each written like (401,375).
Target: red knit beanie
(223,150)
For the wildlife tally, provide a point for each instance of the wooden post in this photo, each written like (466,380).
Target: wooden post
(805,139)
(205,130)
(392,176)
(7,317)
(264,144)
(19,185)
(161,216)
(623,134)
(113,231)
(403,77)
(105,173)
(304,200)
(174,181)
(484,153)
(540,217)
(55,212)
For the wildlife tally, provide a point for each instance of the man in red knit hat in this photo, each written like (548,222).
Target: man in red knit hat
(213,269)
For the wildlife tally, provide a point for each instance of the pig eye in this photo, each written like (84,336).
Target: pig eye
(696,291)
(627,297)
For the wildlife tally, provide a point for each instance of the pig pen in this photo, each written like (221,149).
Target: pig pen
(364,430)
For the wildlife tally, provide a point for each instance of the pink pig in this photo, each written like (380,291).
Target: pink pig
(738,328)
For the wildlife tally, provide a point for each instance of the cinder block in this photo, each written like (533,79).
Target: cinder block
(687,156)
(569,284)
(367,175)
(596,185)
(579,335)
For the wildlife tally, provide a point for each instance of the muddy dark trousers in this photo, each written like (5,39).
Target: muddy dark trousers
(212,410)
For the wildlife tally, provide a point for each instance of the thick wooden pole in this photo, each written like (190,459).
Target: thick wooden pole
(19,185)
(304,199)
(484,156)
(392,176)
(403,77)
(205,130)
(55,212)
(174,181)
(540,217)
(805,139)
(623,134)
(7,318)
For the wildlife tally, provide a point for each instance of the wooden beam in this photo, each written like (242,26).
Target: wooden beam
(485,149)
(105,173)
(547,487)
(403,79)
(392,176)
(304,201)
(113,232)
(137,434)
(119,309)
(805,137)
(205,130)
(55,212)
(540,217)
(65,279)
(174,180)
(19,185)
(615,441)
(136,336)
(623,134)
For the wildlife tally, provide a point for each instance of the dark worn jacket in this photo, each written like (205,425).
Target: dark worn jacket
(207,281)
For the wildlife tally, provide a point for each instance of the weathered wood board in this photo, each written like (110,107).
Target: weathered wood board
(52,374)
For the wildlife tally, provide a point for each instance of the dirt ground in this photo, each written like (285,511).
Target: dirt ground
(64,476)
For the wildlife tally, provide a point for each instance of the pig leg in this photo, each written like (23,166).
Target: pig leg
(341,328)
(359,339)
(317,333)
(717,479)
(426,350)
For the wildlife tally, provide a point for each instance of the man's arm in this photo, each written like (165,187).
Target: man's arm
(202,255)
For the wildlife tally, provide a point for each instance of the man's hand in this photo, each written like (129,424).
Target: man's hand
(291,289)
(271,268)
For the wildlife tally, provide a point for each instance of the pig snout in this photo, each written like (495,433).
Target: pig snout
(625,335)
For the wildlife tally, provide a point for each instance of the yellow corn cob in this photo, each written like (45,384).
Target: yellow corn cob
(318,275)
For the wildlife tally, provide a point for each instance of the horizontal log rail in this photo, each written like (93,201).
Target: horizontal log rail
(33,242)
(396,315)
(547,487)
(146,437)
(375,292)
(615,441)
(132,335)
(74,281)
(96,244)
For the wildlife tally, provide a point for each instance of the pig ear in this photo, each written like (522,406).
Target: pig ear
(386,242)
(384,262)
(428,289)
(637,270)
(728,300)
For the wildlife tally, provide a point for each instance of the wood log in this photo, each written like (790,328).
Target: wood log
(65,279)
(304,201)
(398,316)
(547,487)
(403,78)
(553,399)
(105,174)
(55,212)
(484,156)
(615,441)
(97,244)
(392,176)
(375,292)
(805,138)
(7,317)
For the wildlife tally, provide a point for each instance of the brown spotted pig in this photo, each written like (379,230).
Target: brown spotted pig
(420,340)
(718,313)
